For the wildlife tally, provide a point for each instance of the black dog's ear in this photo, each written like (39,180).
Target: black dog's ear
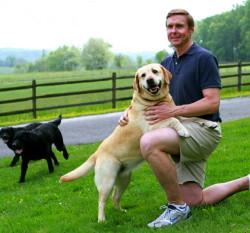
(11,130)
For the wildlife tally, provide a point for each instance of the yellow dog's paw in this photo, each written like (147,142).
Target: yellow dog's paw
(208,124)
(183,133)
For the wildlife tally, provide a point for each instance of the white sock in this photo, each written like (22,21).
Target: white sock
(179,207)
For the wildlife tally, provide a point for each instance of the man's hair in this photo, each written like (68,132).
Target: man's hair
(190,20)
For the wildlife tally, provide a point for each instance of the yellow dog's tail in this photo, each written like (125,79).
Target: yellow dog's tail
(81,171)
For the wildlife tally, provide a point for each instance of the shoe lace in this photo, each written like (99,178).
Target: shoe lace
(165,213)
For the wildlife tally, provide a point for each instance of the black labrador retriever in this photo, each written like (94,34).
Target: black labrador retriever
(8,134)
(37,144)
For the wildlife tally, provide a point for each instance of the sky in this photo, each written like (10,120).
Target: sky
(127,25)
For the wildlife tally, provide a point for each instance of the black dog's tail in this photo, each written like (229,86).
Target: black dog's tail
(57,121)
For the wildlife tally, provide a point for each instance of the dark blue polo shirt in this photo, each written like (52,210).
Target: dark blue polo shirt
(194,71)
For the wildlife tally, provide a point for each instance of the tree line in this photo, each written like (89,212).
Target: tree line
(11,61)
(95,55)
(227,35)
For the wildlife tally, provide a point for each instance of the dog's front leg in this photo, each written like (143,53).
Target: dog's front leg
(24,167)
(15,160)
(50,164)
(54,158)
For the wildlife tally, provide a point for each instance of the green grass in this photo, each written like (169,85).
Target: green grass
(42,205)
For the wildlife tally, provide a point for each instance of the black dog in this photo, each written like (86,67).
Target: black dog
(37,144)
(8,134)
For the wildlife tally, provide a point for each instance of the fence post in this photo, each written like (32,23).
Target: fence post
(34,98)
(239,75)
(113,90)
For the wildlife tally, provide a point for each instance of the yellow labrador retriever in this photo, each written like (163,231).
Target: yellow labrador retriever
(120,153)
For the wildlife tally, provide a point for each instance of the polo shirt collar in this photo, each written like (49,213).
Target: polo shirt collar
(190,51)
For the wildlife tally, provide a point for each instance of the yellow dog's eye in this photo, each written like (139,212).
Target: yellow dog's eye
(143,75)
(155,71)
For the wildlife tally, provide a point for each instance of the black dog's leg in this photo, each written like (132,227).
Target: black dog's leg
(54,158)
(15,160)
(24,168)
(58,141)
(65,153)
(50,164)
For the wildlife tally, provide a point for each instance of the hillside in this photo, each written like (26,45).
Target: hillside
(31,55)
(28,54)
(144,55)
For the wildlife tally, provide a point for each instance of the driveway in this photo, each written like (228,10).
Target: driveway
(89,129)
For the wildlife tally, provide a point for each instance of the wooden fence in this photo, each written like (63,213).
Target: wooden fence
(113,89)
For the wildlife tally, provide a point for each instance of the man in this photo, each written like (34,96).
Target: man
(195,88)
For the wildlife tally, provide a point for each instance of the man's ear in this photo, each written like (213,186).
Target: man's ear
(167,75)
(136,83)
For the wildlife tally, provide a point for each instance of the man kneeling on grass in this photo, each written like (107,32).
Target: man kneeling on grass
(195,88)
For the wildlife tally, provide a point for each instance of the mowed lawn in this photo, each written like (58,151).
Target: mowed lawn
(43,205)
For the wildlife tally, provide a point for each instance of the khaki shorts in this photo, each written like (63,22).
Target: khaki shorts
(195,151)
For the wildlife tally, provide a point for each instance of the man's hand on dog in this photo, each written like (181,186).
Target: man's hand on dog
(159,112)
(124,117)
(153,114)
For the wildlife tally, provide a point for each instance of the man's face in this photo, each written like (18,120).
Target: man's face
(179,33)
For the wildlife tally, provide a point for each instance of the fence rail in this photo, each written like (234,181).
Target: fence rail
(113,89)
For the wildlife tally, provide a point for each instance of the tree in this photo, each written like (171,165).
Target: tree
(244,45)
(123,61)
(96,54)
(227,35)
(10,61)
(63,59)
(161,55)
(139,61)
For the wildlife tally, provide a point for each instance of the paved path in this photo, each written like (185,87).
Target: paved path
(89,129)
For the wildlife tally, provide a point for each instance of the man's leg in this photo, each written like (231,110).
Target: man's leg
(194,195)
(155,146)
(218,192)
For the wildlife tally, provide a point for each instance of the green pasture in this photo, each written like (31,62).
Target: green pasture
(6,70)
(26,79)
(43,205)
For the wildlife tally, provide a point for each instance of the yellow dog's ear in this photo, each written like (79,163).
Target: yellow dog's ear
(136,82)
(167,75)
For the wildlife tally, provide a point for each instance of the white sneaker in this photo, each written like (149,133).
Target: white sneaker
(171,216)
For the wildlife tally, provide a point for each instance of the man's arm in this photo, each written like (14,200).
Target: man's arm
(207,105)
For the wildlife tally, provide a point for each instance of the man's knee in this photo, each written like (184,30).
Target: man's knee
(159,140)
(192,193)
(146,145)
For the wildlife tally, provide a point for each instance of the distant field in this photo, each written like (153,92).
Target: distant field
(12,80)
(26,79)
(6,70)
